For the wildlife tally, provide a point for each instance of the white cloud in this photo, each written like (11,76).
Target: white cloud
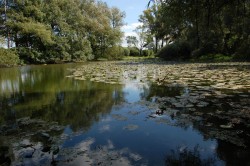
(124,42)
(129,31)
(130,34)
(131,26)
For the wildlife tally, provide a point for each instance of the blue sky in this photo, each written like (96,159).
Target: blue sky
(132,8)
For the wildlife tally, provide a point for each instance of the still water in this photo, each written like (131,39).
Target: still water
(75,122)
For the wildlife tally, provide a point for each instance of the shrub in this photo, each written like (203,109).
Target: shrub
(151,53)
(134,51)
(8,57)
(81,51)
(147,52)
(115,52)
(29,55)
(126,51)
(243,52)
(179,50)
(214,58)
(208,48)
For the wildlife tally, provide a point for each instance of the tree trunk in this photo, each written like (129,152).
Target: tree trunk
(156,44)
(208,14)
(7,31)
(197,24)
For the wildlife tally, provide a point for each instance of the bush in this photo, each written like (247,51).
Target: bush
(8,57)
(208,48)
(214,58)
(243,52)
(179,50)
(147,52)
(126,51)
(115,52)
(81,51)
(29,55)
(134,51)
(151,53)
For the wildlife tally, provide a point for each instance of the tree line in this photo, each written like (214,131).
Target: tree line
(191,29)
(49,31)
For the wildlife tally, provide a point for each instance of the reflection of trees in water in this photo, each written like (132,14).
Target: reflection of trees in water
(45,92)
(186,157)
(160,91)
(225,119)
(233,155)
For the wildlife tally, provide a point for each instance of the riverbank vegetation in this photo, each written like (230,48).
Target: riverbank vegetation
(52,31)
(182,30)
(8,58)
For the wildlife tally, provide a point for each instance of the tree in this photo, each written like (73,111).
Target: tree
(132,41)
(143,38)
(209,26)
(51,30)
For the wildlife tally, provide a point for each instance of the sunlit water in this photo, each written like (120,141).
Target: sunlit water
(104,124)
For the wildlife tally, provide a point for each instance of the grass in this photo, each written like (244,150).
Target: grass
(213,58)
(137,57)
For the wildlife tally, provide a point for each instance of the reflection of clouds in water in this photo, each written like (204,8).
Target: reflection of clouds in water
(213,147)
(135,157)
(102,155)
(27,152)
(108,119)
(85,145)
(110,144)
(182,148)
(104,128)
(8,86)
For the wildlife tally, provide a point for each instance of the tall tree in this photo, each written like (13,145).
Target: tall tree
(132,41)
(58,30)
(208,25)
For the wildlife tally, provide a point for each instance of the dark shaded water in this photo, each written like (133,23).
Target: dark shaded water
(98,124)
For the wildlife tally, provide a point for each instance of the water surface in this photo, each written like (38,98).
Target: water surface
(84,122)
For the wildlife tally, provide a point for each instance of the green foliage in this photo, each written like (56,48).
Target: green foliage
(30,55)
(147,52)
(83,51)
(126,51)
(214,58)
(134,51)
(207,48)
(132,41)
(210,27)
(8,57)
(243,52)
(179,50)
(52,31)
(115,52)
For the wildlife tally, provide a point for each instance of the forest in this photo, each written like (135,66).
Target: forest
(204,29)
(55,31)
(49,31)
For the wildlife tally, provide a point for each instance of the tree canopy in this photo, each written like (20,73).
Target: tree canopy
(208,26)
(44,31)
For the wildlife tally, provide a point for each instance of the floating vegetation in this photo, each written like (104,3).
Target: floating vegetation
(203,76)
(31,140)
(119,117)
(214,97)
(226,118)
(130,127)
(207,102)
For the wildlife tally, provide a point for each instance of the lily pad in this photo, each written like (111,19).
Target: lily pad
(131,127)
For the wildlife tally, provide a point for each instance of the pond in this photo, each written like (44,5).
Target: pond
(125,113)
